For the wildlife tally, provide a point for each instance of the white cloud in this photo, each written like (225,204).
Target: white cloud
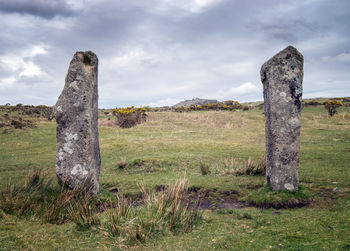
(189,6)
(164,102)
(6,82)
(200,5)
(129,59)
(246,89)
(237,68)
(30,70)
(23,62)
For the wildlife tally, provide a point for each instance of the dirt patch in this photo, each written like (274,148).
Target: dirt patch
(213,200)
(113,190)
(254,187)
(159,188)
(327,197)
(205,199)
(290,205)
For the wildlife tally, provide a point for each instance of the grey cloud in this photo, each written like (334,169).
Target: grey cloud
(41,8)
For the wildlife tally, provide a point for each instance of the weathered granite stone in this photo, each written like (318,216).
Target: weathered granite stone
(282,77)
(78,154)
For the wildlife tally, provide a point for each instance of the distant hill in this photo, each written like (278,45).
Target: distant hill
(195,101)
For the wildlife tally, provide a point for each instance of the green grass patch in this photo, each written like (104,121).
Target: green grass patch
(266,198)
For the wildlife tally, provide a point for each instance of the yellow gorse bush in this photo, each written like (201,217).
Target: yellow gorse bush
(333,103)
(331,106)
(128,110)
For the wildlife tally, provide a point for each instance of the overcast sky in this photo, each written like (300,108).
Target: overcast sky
(159,52)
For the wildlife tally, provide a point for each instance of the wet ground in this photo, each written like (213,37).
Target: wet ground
(205,199)
(212,199)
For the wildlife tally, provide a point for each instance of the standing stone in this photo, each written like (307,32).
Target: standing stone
(78,153)
(282,77)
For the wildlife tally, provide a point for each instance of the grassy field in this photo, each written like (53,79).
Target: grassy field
(169,146)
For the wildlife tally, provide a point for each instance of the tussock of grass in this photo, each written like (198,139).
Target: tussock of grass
(204,167)
(162,213)
(122,164)
(266,198)
(239,167)
(37,197)
(253,167)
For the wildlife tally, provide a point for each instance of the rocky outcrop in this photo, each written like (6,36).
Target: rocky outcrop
(195,101)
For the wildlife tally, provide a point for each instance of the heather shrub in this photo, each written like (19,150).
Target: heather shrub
(229,105)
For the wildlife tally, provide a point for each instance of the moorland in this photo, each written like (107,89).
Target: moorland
(174,146)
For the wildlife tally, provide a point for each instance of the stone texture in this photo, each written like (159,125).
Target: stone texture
(78,154)
(282,77)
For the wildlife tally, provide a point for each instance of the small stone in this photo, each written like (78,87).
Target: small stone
(336,190)
(282,78)
(78,154)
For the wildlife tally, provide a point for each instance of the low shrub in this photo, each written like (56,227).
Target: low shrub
(130,116)
(22,123)
(331,106)
(229,105)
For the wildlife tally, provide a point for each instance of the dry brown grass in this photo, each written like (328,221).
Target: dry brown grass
(238,167)
(204,167)
(162,212)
